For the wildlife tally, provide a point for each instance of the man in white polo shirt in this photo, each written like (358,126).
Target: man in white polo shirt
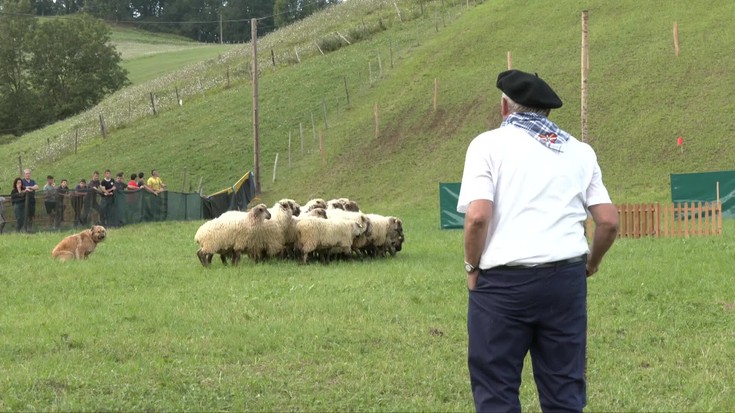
(527,188)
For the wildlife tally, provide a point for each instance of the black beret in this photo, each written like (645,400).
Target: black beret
(528,90)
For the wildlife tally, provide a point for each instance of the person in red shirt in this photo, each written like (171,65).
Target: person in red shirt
(133,184)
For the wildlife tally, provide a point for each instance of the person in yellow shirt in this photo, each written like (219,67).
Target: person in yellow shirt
(156,209)
(154,183)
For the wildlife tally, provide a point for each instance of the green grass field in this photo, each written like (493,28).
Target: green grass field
(142,326)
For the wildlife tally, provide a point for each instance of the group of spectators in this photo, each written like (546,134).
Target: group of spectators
(23,198)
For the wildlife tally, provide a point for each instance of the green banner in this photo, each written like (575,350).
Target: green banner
(448,196)
(694,187)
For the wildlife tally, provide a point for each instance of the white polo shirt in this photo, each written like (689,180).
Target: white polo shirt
(540,197)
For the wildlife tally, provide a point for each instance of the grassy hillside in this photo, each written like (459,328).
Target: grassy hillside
(641,98)
(149,55)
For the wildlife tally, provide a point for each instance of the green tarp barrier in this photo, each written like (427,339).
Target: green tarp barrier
(81,208)
(448,196)
(694,187)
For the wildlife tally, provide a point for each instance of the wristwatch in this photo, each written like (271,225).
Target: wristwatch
(469,267)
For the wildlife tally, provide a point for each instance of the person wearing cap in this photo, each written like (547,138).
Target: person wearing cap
(527,188)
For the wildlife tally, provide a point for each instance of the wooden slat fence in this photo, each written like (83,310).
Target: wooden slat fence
(669,220)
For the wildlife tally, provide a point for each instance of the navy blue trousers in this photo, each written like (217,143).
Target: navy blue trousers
(514,311)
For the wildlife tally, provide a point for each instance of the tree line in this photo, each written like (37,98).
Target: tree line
(53,69)
(196,19)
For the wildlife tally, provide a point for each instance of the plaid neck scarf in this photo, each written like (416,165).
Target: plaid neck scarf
(540,128)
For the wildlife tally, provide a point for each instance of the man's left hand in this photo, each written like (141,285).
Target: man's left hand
(472,279)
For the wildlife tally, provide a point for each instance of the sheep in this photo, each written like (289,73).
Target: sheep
(334,204)
(269,240)
(322,235)
(291,235)
(223,234)
(343,203)
(358,217)
(396,238)
(313,204)
(387,233)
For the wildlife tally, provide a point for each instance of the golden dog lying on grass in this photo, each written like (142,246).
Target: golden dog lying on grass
(79,246)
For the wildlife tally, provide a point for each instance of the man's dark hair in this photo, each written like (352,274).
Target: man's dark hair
(49,177)
(140,174)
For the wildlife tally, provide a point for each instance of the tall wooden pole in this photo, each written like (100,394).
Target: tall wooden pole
(256,140)
(221,41)
(585,70)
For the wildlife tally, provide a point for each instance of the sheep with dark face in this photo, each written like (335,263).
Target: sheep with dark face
(344,204)
(387,235)
(226,235)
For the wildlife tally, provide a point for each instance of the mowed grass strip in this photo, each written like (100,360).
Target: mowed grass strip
(142,326)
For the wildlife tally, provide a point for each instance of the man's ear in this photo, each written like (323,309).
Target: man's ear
(504,107)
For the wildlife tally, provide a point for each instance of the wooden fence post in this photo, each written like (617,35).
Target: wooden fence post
(313,127)
(103,127)
(510,60)
(275,165)
(153,104)
(324,112)
(390,47)
(321,147)
(347,91)
(376,117)
(183,181)
(436,93)
(380,67)
(436,19)
(676,39)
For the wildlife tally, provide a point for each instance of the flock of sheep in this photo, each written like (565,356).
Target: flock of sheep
(318,230)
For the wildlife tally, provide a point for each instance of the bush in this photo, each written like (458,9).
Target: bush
(331,43)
